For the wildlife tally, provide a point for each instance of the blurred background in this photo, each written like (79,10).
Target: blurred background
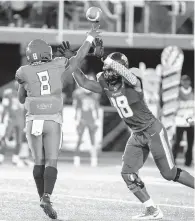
(139,29)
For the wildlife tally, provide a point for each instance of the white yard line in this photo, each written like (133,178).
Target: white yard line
(123,201)
(92,199)
(149,180)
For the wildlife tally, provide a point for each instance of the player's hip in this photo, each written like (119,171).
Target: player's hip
(53,117)
(87,116)
(87,123)
(144,137)
(155,128)
(46,127)
(44,106)
(138,125)
(49,134)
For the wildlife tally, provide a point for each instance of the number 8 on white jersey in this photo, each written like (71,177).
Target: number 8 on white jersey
(44,79)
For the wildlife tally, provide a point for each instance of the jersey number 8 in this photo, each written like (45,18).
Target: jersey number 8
(122,106)
(44,80)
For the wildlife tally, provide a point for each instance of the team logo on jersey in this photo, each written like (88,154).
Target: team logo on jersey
(117,94)
(44,106)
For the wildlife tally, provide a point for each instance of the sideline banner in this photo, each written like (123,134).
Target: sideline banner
(151,79)
(70,135)
(153,108)
(172,59)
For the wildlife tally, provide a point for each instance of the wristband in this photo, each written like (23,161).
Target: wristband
(90,39)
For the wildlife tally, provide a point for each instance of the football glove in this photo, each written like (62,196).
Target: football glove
(65,50)
(97,48)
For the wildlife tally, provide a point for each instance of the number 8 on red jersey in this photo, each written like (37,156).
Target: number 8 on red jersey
(44,80)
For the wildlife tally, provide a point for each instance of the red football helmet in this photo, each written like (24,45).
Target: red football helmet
(38,50)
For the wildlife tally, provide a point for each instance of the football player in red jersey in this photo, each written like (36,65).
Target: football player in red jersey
(124,89)
(41,90)
(86,104)
(14,124)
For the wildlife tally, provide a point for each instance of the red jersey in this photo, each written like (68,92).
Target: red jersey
(11,103)
(87,103)
(43,83)
(130,105)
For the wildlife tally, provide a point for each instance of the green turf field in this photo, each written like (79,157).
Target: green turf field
(90,194)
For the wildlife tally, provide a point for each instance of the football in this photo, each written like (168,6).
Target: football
(94,14)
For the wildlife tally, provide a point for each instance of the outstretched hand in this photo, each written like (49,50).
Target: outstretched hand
(97,48)
(94,32)
(65,50)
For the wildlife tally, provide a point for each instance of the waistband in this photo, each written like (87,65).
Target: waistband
(145,129)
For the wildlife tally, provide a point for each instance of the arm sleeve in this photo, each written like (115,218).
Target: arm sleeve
(101,80)
(20,76)
(22,94)
(123,71)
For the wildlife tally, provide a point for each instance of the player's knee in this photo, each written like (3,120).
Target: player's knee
(170,174)
(38,171)
(177,175)
(134,183)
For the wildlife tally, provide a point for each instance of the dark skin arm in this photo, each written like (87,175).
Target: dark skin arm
(76,60)
(84,82)
(22,94)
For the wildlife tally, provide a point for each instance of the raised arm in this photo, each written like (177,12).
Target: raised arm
(84,82)
(75,61)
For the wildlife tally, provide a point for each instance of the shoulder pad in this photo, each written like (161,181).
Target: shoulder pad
(19,75)
(62,61)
